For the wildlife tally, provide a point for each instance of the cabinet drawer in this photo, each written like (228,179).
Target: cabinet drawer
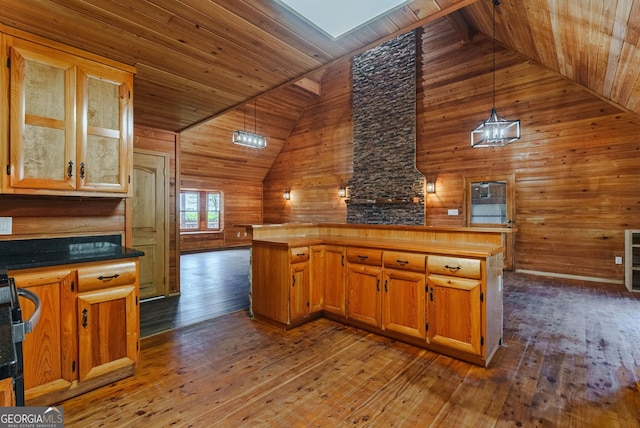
(364,256)
(106,275)
(299,254)
(453,266)
(404,261)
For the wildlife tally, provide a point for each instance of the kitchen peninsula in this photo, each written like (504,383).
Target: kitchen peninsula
(437,288)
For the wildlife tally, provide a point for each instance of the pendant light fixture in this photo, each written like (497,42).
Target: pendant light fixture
(495,131)
(249,139)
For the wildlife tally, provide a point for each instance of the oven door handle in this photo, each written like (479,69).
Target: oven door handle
(21,329)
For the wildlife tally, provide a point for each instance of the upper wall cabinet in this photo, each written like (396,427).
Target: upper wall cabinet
(70,122)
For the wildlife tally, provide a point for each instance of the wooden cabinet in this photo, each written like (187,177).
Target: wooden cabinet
(455,304)
(51,349)
(299,284)
(7,394)
(108,319)
(364,279)
(328,279)
(280,283)
(403,302)
(87,335)
(71,128)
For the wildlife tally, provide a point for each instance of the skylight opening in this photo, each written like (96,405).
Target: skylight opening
(340,17)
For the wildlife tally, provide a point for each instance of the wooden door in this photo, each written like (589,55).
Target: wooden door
(150,214)
(335,278)
(104,128)
(299,291)
(51,349)
(364,298)
(404,303)
(454,313)
(107,330)
(316,280)
(43,139)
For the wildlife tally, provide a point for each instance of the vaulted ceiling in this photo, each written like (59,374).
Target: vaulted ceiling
(197,59)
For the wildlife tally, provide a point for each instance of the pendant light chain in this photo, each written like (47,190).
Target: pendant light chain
(495,131)
(496,3)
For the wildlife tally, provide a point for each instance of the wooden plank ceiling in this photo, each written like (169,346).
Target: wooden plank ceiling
(197,59)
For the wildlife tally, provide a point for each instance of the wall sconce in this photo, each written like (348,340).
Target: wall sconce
(431,186)
(342,192)
(286,195)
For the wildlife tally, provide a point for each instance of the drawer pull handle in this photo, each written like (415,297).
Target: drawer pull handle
(102,277)
(299,254)
(452,267)
(363,257)
(402,262)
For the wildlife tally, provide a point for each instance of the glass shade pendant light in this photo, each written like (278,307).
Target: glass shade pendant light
(495,131)
(249,139)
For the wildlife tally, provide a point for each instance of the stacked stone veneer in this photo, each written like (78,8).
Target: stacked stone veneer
(386,187)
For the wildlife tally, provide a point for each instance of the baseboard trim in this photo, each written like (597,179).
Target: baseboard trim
(577,277)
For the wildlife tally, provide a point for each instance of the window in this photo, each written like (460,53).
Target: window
(200,210)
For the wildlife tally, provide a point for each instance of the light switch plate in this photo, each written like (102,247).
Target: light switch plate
(452,212)
(6,225)
(618,260)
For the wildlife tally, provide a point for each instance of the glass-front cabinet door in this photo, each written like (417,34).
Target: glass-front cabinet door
(42,118)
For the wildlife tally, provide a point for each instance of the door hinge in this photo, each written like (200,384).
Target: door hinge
(73,366)
(481,340)
(426,327)
(136,300)
(308,305)
(482,297)
(73,285)
(8,169)
(137,346)
(9,62)
(129,179)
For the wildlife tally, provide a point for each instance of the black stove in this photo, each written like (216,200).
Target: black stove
(10,308)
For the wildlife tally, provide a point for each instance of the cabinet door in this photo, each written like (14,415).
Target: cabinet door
(50,350)
(104,128)
(42,147)
(299,291)
(335,279)
(7,395)
(454,313)
(316,281)
(108,330)
(403,303)
(364,297)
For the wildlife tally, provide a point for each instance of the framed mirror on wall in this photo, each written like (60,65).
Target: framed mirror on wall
(490,202)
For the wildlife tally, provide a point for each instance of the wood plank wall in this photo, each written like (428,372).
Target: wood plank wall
(317,158)
(209,161)
(36,217)
(166,143)
(576,167)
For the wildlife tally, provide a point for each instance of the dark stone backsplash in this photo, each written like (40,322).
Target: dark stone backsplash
(386,187)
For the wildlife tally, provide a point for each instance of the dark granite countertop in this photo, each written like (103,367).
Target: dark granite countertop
(8,359)
(31,253)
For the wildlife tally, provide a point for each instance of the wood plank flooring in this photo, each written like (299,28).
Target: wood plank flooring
(212,283)
(571,358)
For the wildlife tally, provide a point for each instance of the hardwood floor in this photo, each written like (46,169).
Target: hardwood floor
(571,358)
(212,283)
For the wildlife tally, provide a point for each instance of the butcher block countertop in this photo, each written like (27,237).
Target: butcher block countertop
(459,241)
